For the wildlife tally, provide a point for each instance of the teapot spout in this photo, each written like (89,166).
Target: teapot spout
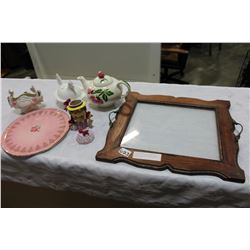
(83,81)
(59,79)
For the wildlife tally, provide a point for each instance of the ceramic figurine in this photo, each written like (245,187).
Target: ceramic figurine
(26,102)
(104,90)
(67,91)
(85,136)
(80,117)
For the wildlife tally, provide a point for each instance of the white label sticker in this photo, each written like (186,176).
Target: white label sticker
(146,156)
(124,152)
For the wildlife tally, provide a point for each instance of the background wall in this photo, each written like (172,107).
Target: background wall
(128,61)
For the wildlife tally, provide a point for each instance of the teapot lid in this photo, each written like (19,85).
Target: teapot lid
(102,80)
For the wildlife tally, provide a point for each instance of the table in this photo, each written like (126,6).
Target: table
(72,167)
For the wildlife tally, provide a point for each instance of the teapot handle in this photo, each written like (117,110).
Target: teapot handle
(123,82)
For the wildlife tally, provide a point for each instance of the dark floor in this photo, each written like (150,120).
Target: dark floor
(220,69)
(19,195)
(21,73)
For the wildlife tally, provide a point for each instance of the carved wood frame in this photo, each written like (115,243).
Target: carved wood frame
(226,168)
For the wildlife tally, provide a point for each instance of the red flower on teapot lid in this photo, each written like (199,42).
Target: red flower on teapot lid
(100,74)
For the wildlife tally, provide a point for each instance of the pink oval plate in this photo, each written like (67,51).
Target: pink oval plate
(35,132)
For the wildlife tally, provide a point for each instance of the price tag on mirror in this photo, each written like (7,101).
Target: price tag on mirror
(125,152)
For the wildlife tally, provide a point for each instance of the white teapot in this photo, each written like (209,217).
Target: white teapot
(104,90)
(67,91)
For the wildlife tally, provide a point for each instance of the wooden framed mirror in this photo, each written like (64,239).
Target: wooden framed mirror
(184,135)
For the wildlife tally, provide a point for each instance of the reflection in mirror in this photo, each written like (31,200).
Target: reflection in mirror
(129,136)
(173,129)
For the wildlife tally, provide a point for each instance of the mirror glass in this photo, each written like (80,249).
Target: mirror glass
(173,129)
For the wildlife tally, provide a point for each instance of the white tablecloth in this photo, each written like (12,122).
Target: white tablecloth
(70,166)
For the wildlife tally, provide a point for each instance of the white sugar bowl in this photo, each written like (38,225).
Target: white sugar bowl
(67,91)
